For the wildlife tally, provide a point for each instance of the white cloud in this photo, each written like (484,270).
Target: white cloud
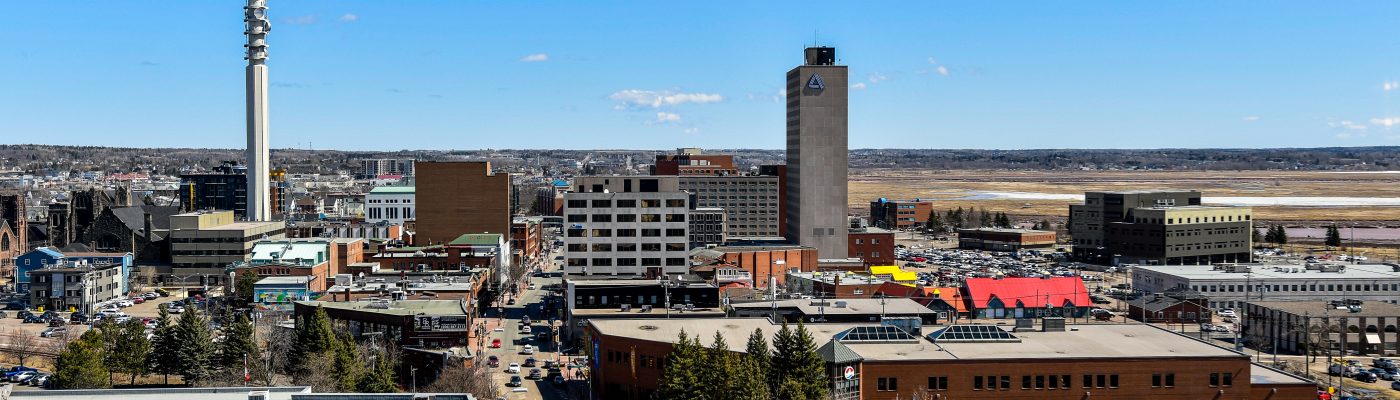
(1251,118)
(858,86)
(1387,122)
(942,70)
(664,117)
(932,61)
(1389,86)
(348,17)
(1348,125)
(537,57)
(877,77)
(692,130)
(632,98)
(782,94)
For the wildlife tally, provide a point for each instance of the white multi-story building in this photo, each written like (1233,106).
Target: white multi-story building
(1231,285)
(625,225)
(392,204)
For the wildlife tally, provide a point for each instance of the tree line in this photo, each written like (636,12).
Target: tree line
(790,370)
(958,218)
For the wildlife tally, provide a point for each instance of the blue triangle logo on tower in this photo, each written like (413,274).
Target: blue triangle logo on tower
(816,82)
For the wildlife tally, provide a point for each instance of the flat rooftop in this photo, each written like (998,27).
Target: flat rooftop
(401,307)
(1318,308)
(284,280)
(735,330)
(637,312)
(1262,375)
(1076,342)
(829,277)
(229,393)
(898,306)
(1005,230)
(1268,271)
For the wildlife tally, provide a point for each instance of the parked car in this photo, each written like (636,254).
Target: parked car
(138,300)
(1381,373)
(1364,376)
(58,320)
(20,377)
(1207,327)
(162,292)
(1395,385)
(125,303)
(41,381)
(33,319)
(1226,312)
(54,331)
(78,318)
(16,370)
(525,329)
(513,368)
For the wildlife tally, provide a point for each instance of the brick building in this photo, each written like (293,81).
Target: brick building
(870,361)
(761,262)
(834,284)
(690,161)
(1172,307)
(1004,239)
(874,246)
(458,197)
(900,214)
(527,238)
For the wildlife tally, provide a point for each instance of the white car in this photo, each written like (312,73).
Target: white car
(525,329)
(175,309)
(528,349)
(513,368)
(1228,313)
(125,303)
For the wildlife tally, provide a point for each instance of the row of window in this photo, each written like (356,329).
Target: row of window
(580,233)
(1028,382)
(626,203)
(626,247)
(390,201)
(1310,288)
(625,218)
(390,213)
(633,300)
(625,262)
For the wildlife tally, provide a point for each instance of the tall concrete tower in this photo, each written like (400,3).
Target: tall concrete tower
(816,153)
(257,26)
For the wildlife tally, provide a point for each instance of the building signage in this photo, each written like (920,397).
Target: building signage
(815,82)
(849,373)
(446,323)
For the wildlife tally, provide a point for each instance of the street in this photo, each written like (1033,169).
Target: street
(513,340)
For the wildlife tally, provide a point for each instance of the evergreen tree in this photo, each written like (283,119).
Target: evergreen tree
(782,363)
(1282,235)
(1334,236)
(1272,235)
(81,366)
(935,223)
(313,336)
(809,370)
(243,287)
(125,347)
(194,347)
(717,370)
(749,382)
(238,346)
(791,389)
(984,219)
(1003,220)
(348,369)
(758,350)
(1046,225)
(163,358)
(1255,237)
(381,378)
(680,380)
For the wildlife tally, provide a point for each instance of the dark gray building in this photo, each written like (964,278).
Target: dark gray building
(816,153)
(1295,326)
(1158,228)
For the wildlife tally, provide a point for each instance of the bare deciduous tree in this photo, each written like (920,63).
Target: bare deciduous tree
(22,343)
(459,378)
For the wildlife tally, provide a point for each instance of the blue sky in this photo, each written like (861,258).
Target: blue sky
(366,75)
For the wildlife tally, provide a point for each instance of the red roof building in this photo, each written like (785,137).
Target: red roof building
(1027,297)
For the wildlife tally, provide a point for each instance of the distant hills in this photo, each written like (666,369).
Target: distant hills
(173,160)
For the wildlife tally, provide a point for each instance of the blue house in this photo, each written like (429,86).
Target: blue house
(46,256)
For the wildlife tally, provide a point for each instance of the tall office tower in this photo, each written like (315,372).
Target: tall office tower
(257,26)
(816,153)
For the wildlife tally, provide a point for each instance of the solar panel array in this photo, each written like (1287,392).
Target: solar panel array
(881,333)
(972,333)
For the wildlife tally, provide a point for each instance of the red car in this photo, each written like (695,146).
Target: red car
(495,343)
(138,300)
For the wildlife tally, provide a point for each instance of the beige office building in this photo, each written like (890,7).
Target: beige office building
(204,243)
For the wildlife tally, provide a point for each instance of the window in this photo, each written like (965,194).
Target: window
(602,262)
(627,218)
(1170,380)
(677,203)
(1228,379)
(651,246)
(626,204)
(675,247)
(887,384)
(1214,379)
(937,383)
(602,217)
(602,203)
(576,233)
(1025,382)
(1156,380)
(578,203)
(1088,381)
(675,262)
(602,247)
(601,233)
(578,247)
(626,247)
(578,218)
(1040,381)
(626,232)
(651,233)
(1099,381)
(977,382)
(1064,381)
(675,232)
(1005,382)
(1113,381)
(651,217)
(1054,383)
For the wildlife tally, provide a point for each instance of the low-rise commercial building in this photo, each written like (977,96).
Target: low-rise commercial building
(75,286)
(204,243)
(874,246)
(527,239)
(390,204)
(1231,285)
(45,257)
(419,323)
(840,310)
(1177,306)
(900,214)
(1026,297)
(279,292)
(708,227)
(1295,326)
(765,264)
(833,284)
(590,298)
(1159,228)
(1004,239)
(873,361)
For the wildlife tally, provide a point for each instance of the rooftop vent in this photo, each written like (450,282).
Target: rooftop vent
(1052,324)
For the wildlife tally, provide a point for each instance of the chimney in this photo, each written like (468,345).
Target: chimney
(148,225)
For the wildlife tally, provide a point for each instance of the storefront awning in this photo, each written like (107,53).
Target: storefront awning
(1373,338)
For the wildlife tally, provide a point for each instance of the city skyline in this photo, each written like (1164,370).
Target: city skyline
(360,76)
